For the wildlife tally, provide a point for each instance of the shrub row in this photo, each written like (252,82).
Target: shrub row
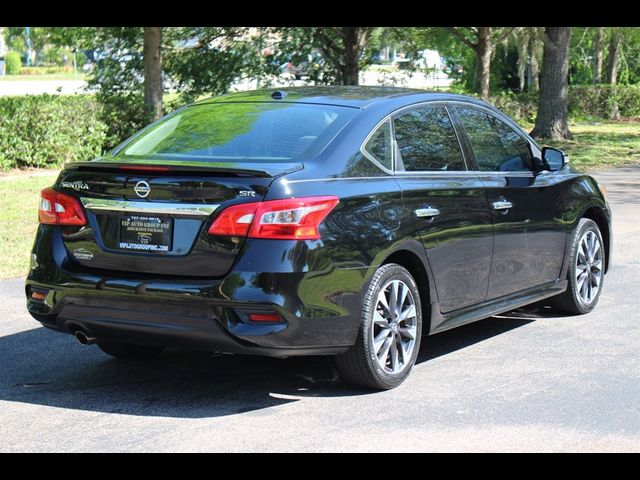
(585,101)
(44,70)
(48,130)
(600,100)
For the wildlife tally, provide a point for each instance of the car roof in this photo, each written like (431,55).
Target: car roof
(347,96)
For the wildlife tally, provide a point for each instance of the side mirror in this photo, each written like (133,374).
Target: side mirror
(554,159)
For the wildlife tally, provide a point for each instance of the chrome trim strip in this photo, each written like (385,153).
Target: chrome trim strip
(502,205)
(427,212)
(190,209)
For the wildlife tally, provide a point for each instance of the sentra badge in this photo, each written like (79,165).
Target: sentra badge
(77,186)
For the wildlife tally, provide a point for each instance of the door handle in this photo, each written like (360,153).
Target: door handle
(427,212)
(502,205)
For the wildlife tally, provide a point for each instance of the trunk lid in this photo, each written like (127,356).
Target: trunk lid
(153,218)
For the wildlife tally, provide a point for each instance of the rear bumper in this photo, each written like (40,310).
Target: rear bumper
(203,314)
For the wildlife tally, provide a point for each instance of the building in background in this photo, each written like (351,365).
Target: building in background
(3,45)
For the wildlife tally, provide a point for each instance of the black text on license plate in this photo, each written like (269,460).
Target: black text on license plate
(147,234)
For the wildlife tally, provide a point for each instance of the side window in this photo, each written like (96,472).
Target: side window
(379,145)
(496,145)
(427,141)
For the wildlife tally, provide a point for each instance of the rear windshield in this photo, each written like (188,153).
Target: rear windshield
(242,132)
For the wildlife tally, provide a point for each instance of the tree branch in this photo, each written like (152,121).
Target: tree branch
(546,39)
(504,35)
(462,38)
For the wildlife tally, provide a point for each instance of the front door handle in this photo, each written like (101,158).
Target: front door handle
(502,205)
(427,212)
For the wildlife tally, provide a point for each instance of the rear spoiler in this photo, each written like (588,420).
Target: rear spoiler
(248,169)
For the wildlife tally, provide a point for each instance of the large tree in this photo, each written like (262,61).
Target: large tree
(534,70)
(613,56)
(482,40)
(598,49)
(341,51)
(552,118)
(153,88)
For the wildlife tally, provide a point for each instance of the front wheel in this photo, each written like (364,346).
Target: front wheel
(389,334)
(586,270)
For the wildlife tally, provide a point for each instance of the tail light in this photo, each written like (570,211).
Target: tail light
(59,209)
(288,219)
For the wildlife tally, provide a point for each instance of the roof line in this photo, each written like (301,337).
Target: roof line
(217,101)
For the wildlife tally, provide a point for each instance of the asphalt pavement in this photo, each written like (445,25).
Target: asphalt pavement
(38,87)
(525,381)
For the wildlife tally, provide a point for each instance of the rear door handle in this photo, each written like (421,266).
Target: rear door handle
(427,212)
(502,205)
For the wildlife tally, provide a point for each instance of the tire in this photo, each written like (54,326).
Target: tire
(130,351)
(579,297)
(360,364)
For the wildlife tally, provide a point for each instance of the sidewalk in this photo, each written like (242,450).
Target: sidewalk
(37,87)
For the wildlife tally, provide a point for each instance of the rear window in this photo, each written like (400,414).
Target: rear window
(242,131)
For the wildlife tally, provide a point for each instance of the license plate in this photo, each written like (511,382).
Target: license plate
(142,233)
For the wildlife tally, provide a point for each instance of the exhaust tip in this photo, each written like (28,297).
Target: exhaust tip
(83,338)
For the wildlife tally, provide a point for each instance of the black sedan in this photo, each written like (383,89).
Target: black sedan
(344,221)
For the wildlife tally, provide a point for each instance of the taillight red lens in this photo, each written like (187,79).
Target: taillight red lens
(234,221)
(59,209)
(287,219)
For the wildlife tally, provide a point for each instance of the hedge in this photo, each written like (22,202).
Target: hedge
(48,130)
(585,101)
(598,101)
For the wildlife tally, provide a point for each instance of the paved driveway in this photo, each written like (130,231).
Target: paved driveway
(523,381)
(37,87)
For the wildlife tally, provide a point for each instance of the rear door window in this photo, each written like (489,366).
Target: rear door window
(427,141)
(497,146)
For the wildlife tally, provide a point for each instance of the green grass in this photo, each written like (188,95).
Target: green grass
(595,145)
(19,220)
(598,144)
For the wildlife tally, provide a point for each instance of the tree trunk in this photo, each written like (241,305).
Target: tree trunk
(534,70)
(483,49)
(598,56)
(354,39)
(612,57)
(612,71)
(153,88)
(552,119)
(522,41)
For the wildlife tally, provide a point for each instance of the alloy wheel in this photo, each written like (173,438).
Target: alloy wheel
(588,270)
(394,326)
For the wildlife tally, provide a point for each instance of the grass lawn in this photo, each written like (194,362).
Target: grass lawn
(595,145)
(19,219)
(599,144)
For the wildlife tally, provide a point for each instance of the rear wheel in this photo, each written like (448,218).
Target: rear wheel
(130,351)
(390,329)
(586,271)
